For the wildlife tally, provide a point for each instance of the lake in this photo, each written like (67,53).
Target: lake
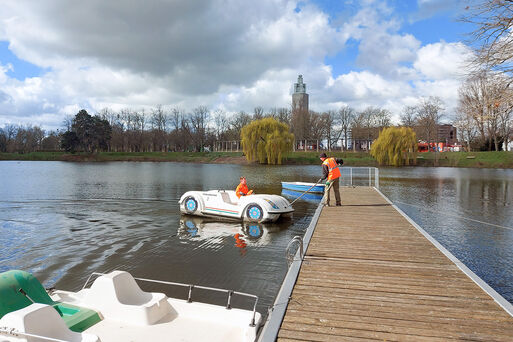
(63,221)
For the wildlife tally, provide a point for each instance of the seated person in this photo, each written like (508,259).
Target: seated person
(242,188)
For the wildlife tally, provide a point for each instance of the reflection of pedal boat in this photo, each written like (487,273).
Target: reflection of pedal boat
(114,308)
(307,197)
(255,208)
(302,186)
(198,228)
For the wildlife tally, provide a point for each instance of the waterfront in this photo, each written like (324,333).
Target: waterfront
(63,221)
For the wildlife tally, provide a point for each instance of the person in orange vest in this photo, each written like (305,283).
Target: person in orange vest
(331,171)
(242,188)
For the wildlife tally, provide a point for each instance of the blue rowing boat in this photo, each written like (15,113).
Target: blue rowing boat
(301,186)
(310,197)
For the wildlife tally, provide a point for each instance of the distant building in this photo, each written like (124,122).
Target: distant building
(299,120)
(300,97)
(447,134)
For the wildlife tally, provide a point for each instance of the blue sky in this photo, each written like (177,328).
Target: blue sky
(358,53)
(20,69)
(428,27)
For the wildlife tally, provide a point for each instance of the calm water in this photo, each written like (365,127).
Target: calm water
(63,221)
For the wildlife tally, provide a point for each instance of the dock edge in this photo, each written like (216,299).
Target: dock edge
(503,303)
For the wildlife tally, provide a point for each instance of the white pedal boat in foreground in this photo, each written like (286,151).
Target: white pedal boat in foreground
(256,207)
(115,308)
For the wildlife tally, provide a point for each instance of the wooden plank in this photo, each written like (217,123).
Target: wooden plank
(369,274)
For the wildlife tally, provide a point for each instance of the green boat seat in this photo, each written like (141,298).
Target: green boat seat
(11,299)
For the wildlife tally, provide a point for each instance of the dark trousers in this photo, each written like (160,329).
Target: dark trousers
(335,186)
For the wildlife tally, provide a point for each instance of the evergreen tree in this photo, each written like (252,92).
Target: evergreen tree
(69,141)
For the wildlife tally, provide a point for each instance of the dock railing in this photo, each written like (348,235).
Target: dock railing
(359,176)
(191,287)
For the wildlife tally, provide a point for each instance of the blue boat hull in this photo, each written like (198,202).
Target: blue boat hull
(307,197)
(319,188)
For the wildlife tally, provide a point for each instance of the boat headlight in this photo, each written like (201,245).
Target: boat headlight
(272,204)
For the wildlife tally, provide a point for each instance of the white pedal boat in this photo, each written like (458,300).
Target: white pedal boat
(224,203)
(115,309)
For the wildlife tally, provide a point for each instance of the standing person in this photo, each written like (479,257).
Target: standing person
(242,188)
(331,171)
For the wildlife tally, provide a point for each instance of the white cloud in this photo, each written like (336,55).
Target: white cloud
(224,54)
(442,60)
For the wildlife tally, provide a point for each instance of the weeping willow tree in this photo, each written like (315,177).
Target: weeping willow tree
(266,140)
(395,146)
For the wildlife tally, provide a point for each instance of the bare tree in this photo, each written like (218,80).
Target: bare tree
(199,119)
(238,121)
(492,37)
(331,121)
(221,123)
(159,120)
(346,115)
(430,111)
(317,126)
(258,113)
(382,118)
(465,125)
(487,98)
(358,131)
(409,116)
(283,115)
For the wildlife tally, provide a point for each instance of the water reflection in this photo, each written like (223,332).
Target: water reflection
(245,234)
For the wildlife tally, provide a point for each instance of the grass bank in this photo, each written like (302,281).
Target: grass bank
(191,157)
(493,159)
(447,159)
(294,158)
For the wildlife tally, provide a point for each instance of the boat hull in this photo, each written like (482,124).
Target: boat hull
(301,186)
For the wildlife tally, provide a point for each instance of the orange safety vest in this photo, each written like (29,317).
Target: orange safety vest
(241,188)
(332,165)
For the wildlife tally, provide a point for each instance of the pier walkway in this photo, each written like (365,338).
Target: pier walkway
(370,274)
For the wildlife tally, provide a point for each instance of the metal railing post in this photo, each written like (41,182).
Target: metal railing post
(376,182)
(291,242)
(351,175)
(370,179)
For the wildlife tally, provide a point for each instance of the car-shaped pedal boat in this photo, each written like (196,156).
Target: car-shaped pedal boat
(115,309)
(224,203)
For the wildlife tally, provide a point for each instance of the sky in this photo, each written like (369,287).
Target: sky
(59,56)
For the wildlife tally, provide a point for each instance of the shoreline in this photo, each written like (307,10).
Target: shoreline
(496,160)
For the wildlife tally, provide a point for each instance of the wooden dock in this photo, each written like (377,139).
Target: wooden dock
(369,274)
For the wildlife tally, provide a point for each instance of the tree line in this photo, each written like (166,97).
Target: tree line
(172,129)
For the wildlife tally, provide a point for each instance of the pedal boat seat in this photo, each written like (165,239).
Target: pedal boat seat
(75,318)
(118,297)
(42,320)
(226,198)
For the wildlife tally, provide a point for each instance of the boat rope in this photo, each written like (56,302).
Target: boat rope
(454,215)
(306,191)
